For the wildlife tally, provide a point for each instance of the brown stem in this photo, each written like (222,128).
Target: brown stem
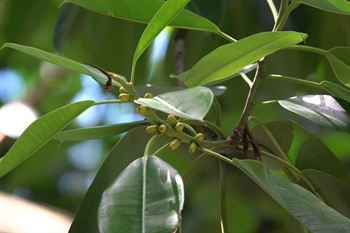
(179,53)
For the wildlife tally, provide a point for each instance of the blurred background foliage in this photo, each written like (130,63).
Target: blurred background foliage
(59,174)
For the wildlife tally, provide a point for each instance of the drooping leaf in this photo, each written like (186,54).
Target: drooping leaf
(309,210)
(167,12)
(97,131)
(63,62)
(335,6)
(123,153)
(142,11)
(303,149)
(147,196)
(322,109)
(64,20)
(192,103)
(297,201)
(335,192)
(336,90)
(339,58)
(39,133)
(228,59)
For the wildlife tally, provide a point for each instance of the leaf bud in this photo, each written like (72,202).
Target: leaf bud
(152,129)
(124,97)
(192,148)
(199,137)
(122,90)
(179,127)
(175,144)
(162,128)
(172,120)
(142,110)
(148,95)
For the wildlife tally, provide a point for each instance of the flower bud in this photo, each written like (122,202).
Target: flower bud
(142,110)
(162,128)
(148,95)
(122,90)
(152,129)
(192,148)
(172,120)
(179,127)
(175,144)
(199,137)
(124,97)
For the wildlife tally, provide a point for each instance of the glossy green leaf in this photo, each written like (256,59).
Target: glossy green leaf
(123,153)
(143,11)
(192,103)
(63,62)
(231,58)
(97,131)
(167,12)
(309,210)
(147,196)
(322,109)
(39,133)
(339,58)
(335,6)
(297,201)
(335,192)
(336,90)
(303,149)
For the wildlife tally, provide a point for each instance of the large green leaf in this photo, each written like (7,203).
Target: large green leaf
(335,193)
(335,6)
(39,133)
(303,149)
(339,58)
(297,201)
(168,11)
(147,196)
(97,131)
(322,109)
(143,11)
(123,153)
(229,59)
(192,103)
(309,210)
(61,61)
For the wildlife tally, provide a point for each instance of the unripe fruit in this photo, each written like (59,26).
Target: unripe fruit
(172,120)
(199,137)
(179,127)
(175,144)
(123,97)
(122,90)
(142,110)
(148,95)
(192,148)
(152,129)
(162,128)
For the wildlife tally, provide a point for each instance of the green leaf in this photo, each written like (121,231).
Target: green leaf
(303,149)
(192,103)
(335,193)
(97,131)
(142,11)
(39,133)
(335,6)
(147,196)
(297,201)
(63,62)
(168,11)
(322,109)
(336,90)
(309,210)
(229,59)
(339,58)
(123,153)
